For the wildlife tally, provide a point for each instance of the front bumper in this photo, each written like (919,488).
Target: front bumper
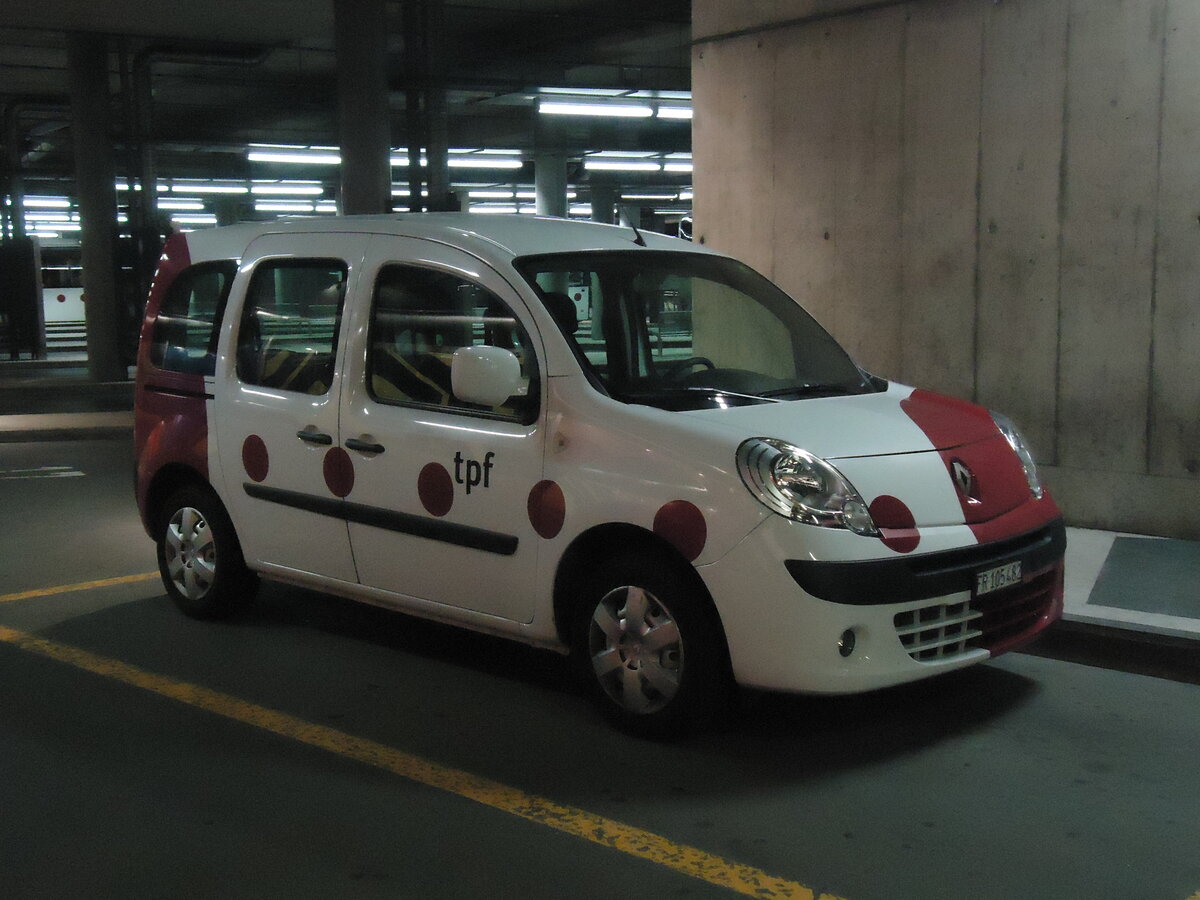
(912,616)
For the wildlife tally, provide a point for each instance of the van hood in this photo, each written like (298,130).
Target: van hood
(898,420)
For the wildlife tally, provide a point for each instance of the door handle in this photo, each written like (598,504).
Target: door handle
(364,446)
(315,437)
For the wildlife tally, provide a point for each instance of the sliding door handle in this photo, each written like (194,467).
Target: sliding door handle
(315,437)
(364,446)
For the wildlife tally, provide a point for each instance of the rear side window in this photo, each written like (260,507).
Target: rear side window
(188,323)
(288,334)
(419,318)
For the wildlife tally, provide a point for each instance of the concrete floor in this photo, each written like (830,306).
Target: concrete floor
(1026,777)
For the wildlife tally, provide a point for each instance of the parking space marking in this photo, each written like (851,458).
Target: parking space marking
(633,841)
(81,586)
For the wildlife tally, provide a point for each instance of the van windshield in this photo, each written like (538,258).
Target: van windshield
(687,331)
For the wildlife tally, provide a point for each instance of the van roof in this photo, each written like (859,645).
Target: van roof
(487,236)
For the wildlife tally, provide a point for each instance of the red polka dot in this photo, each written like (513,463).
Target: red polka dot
(436,489)
(547,509)
(682,524)
(897,525)
(339,472)
(62,298)
(255,459)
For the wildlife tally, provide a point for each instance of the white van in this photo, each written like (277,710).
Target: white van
(689,487)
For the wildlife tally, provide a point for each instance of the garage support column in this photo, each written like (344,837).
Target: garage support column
(360,34)
(16,184)
(550,183)
(87,61)
(604,199)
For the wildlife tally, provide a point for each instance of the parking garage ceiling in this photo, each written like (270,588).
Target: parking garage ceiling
(228,73)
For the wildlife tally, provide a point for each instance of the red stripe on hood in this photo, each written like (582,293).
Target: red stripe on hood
(965,433)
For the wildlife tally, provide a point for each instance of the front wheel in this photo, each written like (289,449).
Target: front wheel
(199,556)
(651,648)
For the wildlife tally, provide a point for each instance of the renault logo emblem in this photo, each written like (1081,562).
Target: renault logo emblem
(964,478)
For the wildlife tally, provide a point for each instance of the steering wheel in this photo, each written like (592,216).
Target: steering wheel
(678,368)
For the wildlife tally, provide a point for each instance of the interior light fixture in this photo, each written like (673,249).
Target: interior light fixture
(208,188)
(614,110)
(483,162)
(298,157)
(614,165)
(195,220)
(288,189)
(46,203)
(282,206)
(674,112)
(683,167)
(193,205)
(584,92)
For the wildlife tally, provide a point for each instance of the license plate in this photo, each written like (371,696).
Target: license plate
(998,578)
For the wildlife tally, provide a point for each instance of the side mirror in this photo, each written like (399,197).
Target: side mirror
(486,376)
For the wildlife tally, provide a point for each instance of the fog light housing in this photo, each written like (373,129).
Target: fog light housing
(846,642)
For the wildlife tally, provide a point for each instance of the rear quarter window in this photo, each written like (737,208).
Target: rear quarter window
(189,321)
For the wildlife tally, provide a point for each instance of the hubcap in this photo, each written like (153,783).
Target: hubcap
(190,553)
(636,650)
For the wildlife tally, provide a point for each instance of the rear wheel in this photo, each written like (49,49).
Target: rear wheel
(199,556)
(651,648)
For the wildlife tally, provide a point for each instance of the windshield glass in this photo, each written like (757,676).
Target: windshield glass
(689,331)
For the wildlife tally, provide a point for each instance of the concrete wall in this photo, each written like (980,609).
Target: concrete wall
(998,199)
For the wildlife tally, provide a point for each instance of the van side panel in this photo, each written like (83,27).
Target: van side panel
(170,420)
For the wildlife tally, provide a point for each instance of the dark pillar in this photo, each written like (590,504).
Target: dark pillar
(87,59)
(604,200)
(16,188)
(550,183)
(438,149)
(360,32)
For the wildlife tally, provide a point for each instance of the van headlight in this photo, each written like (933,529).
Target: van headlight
(1017,442)
(796,484)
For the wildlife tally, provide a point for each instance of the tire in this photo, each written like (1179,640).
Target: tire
(650,648)
(199,557)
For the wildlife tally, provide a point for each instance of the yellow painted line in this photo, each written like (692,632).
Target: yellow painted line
(627,839)
(81,586)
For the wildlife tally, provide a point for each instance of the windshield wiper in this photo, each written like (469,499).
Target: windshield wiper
(807,390)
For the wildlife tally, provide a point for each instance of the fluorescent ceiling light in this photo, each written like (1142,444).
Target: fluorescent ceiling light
(584,92)
(208,188)
(47,217)
(288,189)
(282,206)
(490,195)
(677,167)
(648,196)
(612,165)
(195,220)
(483,162)
(493,210)
(617,110)
(662,95)
(193,205)
(46,202)
(674,112)
(685,195)
(299,157)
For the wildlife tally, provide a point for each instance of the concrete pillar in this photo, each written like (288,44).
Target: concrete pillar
(604,201)
(360,35)
(16,186)
(437,119)
(87,63)
(550,183)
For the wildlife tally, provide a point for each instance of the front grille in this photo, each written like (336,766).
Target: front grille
(995,622)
